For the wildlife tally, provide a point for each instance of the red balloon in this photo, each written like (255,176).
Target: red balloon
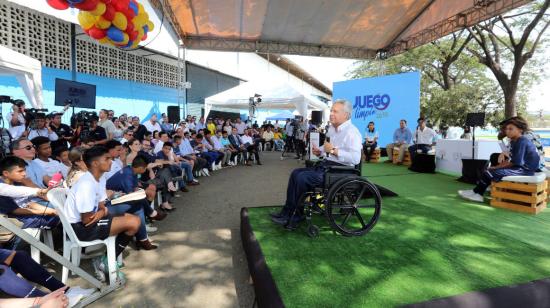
(121,5)
(132,35)
(144,37)
(58,4)
(87,5)
(130,28)
(129,13)
(97,33)
(109,12)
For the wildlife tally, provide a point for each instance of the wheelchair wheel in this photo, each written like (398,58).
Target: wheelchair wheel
(313,231)
(353,206)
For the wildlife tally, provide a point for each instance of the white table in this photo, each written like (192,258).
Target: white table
(449,153)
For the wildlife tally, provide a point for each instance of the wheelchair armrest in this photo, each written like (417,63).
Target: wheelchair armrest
(342,169)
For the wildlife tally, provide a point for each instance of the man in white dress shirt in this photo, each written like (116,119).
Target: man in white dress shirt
(152,125)
(344,149)
(423,139)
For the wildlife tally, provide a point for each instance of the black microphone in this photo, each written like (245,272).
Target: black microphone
(327,139)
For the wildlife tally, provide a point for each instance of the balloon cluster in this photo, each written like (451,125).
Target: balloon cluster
(122,23)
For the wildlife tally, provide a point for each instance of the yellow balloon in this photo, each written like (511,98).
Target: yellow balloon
(104,40)
(140,9)
(150,25)
(136,43)
(102,23)
(86,19)
(120,21)
(125,40)
(99,9)
(140,33)
(139,21)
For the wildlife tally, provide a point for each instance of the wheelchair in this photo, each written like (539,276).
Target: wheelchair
(350,203)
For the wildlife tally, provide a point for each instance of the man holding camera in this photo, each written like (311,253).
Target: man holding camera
(63,131)
(16,119)
(344,149)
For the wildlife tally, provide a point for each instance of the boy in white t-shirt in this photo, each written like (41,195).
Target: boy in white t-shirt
(86,209)
(43,153)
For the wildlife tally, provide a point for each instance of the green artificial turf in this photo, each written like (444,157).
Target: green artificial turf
(427,244)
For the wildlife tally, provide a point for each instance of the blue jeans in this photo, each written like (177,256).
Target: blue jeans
(138,208)
(188,171)
(422,147)
(210,158)
(496,175)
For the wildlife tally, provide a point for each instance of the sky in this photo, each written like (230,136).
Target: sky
(329,70)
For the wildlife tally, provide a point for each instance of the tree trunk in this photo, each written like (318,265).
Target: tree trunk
(510,109)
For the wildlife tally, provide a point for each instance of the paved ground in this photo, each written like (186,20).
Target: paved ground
(200,261)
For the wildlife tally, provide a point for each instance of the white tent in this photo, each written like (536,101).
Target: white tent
(274,96)
(28,72)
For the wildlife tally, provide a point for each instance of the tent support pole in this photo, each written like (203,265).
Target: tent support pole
(73,52)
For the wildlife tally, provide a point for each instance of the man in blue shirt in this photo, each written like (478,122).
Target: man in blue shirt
(36,175)
(524,161)
(401,139)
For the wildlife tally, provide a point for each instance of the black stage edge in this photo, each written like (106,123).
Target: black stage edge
(267,294)
(533,294)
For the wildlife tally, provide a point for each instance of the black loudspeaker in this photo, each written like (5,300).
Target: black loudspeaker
(423,163)
(316,117)
(173,114)
(472,169)
(475,119)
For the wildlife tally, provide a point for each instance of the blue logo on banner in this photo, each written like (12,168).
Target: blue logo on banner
(367,105)
(385,100)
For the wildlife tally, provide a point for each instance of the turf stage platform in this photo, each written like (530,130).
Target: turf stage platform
(428,244)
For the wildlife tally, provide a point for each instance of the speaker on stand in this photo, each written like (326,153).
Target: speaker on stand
(472,169)
(316,117)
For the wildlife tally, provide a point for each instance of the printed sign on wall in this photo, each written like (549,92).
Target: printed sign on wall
(384,100)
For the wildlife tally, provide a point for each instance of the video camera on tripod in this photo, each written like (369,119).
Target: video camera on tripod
(8,99)
(82,119)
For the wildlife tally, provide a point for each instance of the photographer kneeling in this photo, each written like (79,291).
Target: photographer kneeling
(345,150)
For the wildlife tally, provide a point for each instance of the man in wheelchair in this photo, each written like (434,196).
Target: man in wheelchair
(344,149)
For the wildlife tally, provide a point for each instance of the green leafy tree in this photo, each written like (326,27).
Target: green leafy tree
(507,45)
(452,84)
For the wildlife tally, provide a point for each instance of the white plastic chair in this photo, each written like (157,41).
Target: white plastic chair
(47,239)
(72,246)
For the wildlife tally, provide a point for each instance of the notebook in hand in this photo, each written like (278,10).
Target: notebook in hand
(136,195)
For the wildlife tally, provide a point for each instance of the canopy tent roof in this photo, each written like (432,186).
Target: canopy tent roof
(274,96)
(281,116)
(332,28)
(28,72)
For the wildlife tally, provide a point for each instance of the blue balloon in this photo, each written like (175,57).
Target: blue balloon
(73,2)
(145,29)
(115,34)
(129,44)
(134,7)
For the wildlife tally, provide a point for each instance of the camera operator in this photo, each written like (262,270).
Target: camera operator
(40,126)
(96,132)
(63,131)
(16,119)
(289,130)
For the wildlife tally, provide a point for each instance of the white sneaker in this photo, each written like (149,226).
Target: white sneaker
(195,181)
(150,228)
(206,172)
(470,195)
(76,294)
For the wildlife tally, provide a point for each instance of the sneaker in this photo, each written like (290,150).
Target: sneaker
(76,294)
(150,229)
(206,172)
(195,181)
(121,278)
(470,195)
